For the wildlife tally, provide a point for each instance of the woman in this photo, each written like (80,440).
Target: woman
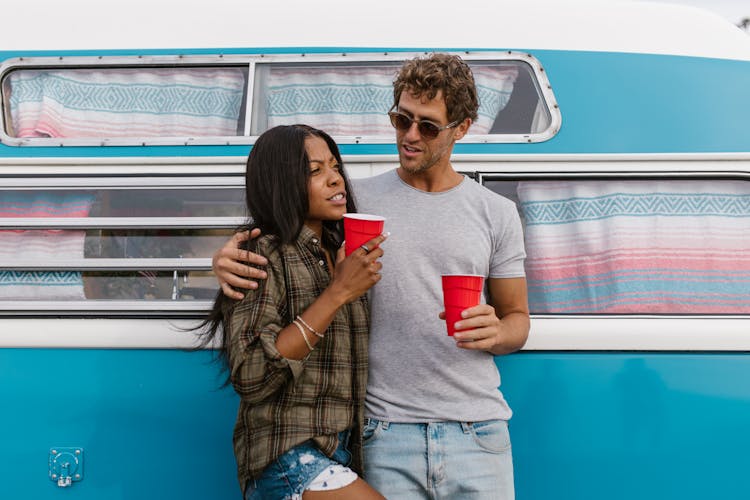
(296,347)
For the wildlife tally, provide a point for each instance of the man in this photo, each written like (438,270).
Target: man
(436,423)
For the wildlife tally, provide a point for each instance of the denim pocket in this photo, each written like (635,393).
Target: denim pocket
(342,454)
(371,430)
(491,435)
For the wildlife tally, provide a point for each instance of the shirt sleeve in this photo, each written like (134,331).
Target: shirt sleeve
(257,368)
(508,254)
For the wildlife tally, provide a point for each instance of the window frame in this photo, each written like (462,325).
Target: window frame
(641,332)
(249,61)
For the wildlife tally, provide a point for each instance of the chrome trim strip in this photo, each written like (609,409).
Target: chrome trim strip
(103,306)
(122,180)
(93,264)
(212,161)
(121,222)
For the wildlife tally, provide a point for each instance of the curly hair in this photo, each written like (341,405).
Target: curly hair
(425,76)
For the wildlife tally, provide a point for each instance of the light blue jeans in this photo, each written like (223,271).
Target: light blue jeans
(440,460)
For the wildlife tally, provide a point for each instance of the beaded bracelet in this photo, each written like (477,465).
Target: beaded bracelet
(317,333)
(301,331)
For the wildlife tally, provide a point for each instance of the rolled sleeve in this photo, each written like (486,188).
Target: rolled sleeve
(269,346)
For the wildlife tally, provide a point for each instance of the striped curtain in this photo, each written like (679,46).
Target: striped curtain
(661,246)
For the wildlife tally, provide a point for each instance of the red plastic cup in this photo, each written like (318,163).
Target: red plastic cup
(460,291)
(361,228)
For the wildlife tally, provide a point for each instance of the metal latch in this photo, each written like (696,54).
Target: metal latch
(65,465)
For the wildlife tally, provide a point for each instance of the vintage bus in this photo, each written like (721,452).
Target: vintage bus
(619,129)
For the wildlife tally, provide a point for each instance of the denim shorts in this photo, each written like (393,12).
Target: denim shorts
(438,460)
(289,475)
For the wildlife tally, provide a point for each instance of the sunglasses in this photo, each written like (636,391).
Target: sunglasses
(428,129)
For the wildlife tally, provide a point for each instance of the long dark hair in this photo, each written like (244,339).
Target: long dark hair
(276,180)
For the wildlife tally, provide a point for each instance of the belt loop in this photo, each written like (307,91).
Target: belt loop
(466,427)
(384,424)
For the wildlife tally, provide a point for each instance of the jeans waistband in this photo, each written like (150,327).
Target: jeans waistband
(384,424)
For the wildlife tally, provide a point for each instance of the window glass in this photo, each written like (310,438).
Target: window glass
(652,246)
(349,99)
(124,102)
(352,99)
(45,247)
(518,106)
(168,202)
(129,246)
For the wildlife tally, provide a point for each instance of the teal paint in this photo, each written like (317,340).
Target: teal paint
(153,423)
(591,425)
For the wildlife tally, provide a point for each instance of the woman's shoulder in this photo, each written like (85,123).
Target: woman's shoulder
(276,252)
(264,242)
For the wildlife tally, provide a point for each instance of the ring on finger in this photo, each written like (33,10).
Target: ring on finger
(365,248)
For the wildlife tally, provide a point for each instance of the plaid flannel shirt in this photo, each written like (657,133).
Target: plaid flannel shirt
(286,402)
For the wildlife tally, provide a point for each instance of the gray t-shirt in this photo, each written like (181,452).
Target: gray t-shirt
(417,374)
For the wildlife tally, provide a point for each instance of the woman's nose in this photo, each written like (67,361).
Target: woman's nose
(334,177)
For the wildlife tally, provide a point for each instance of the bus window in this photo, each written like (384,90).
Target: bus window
(523,110)
(137,243)
(352,98)
(104,102)
(650,246)
(174,100)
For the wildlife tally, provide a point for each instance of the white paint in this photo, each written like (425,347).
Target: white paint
(639,333)
(533,24)
(97,333)
(731,10)
(548,333)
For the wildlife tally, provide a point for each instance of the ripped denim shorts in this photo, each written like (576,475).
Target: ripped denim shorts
(291,474)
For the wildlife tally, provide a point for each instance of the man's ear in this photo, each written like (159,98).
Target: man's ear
(460,130)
